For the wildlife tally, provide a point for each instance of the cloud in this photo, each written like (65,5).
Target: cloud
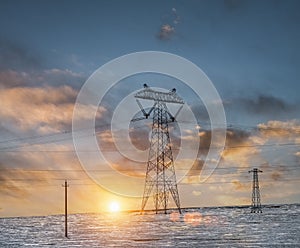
(236,140)
(236,137)
(239,151)
(279,131)
(54,77)
(40,109)
(234,154)
(58,77)
(26,177)
(167,30)
(18,175)
(276,175)
(196,193)
(128,167)
(14,56)
(274,128)
(38,101)
(9,187)
(176,17)
(260,108)
(11,78)
(265,104)
(240,186)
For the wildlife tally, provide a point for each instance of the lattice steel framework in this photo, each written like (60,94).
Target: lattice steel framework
(256,205)
(160,175)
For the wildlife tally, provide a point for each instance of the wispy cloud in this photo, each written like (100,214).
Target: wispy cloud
(50,77)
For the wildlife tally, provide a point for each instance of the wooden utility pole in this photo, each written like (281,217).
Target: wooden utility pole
(66,208)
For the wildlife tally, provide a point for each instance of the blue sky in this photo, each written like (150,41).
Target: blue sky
(249,49)
(227,39)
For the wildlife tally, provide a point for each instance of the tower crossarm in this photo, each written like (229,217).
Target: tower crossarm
(150,94)
(255,169)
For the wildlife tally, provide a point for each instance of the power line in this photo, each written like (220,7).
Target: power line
(106,125)
(271,167)
(181,183)
(174,149)
(52,134)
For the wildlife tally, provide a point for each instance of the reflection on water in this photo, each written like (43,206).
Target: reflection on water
(202,227)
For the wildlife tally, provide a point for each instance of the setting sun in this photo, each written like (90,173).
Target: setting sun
(114,207)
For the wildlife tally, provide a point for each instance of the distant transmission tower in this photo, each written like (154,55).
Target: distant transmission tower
(160,174)
(256,205)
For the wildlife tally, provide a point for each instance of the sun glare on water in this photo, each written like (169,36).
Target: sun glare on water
(114,207)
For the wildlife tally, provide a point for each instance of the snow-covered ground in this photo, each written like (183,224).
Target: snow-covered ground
(202,227)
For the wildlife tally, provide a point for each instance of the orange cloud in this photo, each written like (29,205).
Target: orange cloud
(42,109)
(240,186)
(45,110)
(11,78)
(279,129)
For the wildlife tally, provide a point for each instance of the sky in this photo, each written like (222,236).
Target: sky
(48,49)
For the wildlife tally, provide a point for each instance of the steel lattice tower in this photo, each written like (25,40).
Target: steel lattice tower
(256,205)
(160,175)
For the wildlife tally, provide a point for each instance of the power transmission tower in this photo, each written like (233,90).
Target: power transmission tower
(256,205)
(160,174)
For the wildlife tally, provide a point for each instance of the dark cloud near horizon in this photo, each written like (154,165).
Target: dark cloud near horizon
(265,104)
(276,175)
(234,137)
(261,106)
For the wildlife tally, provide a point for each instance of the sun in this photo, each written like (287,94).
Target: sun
(114,207)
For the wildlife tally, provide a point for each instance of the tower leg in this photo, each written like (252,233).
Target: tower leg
(256,205)
(160,175)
